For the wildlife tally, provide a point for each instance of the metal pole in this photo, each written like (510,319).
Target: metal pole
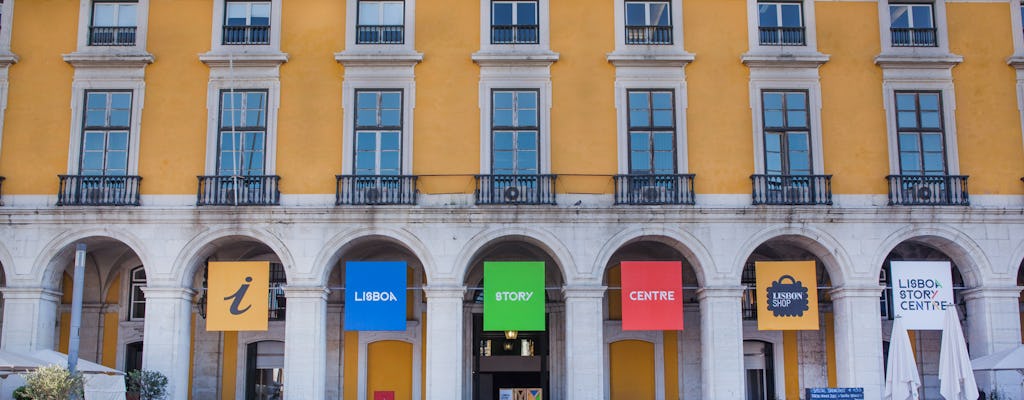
(76,307)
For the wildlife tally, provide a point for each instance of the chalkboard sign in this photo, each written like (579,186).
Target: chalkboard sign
(834,393)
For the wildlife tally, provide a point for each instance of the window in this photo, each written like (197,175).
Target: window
(514,22)
(920,133)
(105,133)
(264,370)
(515,128)
(137,308)
(113,24)
(648,22)
(247,22)
(133,356)
(276,297)
(781,23)
(242,135)
(651,132)
(381,22)
(912,25)
(787,148)
(378,132)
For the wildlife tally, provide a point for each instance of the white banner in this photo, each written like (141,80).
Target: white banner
(921,292)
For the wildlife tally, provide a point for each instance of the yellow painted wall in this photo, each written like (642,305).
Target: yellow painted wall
(719,130)
(856,154)
(351,362)
(671,355)
(632,370)
(790,357)
(230,367)
(65,333)
(110,326)
(389,368)
(614,296)
(830,348)
(988,127)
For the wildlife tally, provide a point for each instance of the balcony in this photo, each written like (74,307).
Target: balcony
(380,34)
(782,36)
(251,190)
(515,34)
(928,190)
(376,190)
(655,34)
(913,37)
(792,190)
(247,34)
(654,189)
(515,189)
(112,35)
(98,190)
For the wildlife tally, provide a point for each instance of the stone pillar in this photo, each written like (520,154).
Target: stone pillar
(993,324)
(584,342)
(858,331)
(444,342)
(721,332)
(30,318)
(305,343)
(167,335)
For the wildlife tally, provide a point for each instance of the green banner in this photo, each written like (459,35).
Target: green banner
(514,296)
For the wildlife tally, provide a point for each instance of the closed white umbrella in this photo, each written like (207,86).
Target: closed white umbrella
(956,377)
(901,378)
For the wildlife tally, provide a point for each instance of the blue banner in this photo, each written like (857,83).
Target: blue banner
(375,295)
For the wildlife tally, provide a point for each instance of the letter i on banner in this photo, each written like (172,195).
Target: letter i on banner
(375,296)
(652,295)
(514,296)
(236,295)
(787,295)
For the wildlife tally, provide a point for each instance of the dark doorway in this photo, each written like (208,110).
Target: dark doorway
(508,360)
(133,357)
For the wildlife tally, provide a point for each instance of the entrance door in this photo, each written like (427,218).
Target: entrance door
(503,360)
(264,378)
(759,370)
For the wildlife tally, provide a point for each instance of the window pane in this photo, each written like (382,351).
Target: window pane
(527,99)
(773,143)
(773,101)
(390,141)
(527,161)
(663,141)
(922,16)
(906,119)
(635,14)
(121,100)
(662,100)
(796,101)
(527,118)
(117,161)
(527,141)
(768,15)
(390,117)
(236,14)
(119,117)
(931,142)
(908,142)
(798,164)
(663,163)
(910,163)
(641,161)
(659,14)
(389,160)
(639,141)
(502,118)
(773,118)
(773,163)
(93,141)
(796,119)
(663,118)
(92,162)
(503,100)
(369,13)
(933,162)
(126,15)
(394,14)
(929,101)
(391,100)
(899,16)
(95,118)
(366,161)
(502,14)
(791,15)
(103,14)
(797,142)
(930,119)
(502,162)
(503,141)
(117,140)
(526,13)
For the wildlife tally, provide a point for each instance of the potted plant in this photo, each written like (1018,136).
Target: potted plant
(147,385)
(53,383)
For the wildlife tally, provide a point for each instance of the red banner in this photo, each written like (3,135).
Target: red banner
(652,295)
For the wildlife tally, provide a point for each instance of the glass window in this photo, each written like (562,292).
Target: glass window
(787,147)
(651,132)
(247,13)
(514,22)
(264,370)
(381,22)
(921,134)
(378,141)
(276,301)
(243,130)
(105,133)
(114,14)
(912,25)
(515,129)
(648,22)
(138,297)
(779,14)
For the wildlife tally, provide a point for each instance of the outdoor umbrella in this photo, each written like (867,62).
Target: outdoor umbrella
(901,379)
(955,374)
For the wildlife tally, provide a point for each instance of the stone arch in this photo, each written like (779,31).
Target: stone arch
(689,246)
(1017,260)
(206,243)
(60,251)
(542,240)
(340,244)
(819,243)
(6,264)
(970,260)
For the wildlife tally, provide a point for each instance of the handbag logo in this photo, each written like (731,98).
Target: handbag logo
(787,299)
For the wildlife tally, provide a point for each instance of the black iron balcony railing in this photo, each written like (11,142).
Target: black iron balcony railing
(928,190)
(2,179)
(375,189)
(250,190)
(515,34)
(380,34)
(782,36)
(792,189)
(112,35)
(247,34)
(98,190)
(641,34)
(913,37)
(515,189)
(654,189)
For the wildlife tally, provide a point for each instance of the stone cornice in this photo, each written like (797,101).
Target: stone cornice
(584,291)
(260,59)
(108,60)
(515,59)
(306,292)
(620,59)
(784,60)
(7,58)
(443,292)
(916,61)
(1016,61)
(378,59)
(993,291)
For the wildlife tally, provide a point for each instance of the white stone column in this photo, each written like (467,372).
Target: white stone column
(444,342)
(858,331)
(167,335)
(721,339)
(305,343)
(30,318)
(993,324)
(584,342)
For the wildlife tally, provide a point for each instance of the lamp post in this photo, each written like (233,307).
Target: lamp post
(76,307)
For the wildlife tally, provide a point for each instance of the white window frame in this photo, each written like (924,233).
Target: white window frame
(85,81)
(662,82)
(543,44)
(674,50)
(213,103)
(380,78)
(776,80)
(810,46)
(130,282)
(85,21)
(217,45)
(948,102)
(941,30)
(407,48)
(542,84)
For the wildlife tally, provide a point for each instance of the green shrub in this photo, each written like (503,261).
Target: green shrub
(20,393)
(53,383)
(148,385)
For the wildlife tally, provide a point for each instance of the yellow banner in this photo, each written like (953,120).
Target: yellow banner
(236,296)
(787,296)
